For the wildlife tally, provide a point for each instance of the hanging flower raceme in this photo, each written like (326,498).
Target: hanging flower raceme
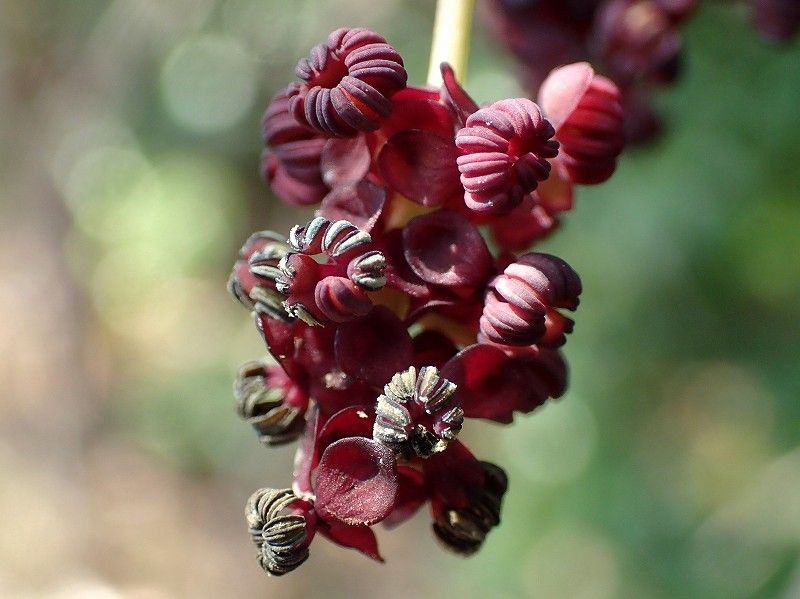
(389,320)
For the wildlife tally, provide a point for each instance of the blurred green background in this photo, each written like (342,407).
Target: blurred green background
(129,147)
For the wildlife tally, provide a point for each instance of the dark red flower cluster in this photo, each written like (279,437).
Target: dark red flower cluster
(389,319)
(636,43)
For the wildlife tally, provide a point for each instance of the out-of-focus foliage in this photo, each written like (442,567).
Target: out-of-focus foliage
(129,149)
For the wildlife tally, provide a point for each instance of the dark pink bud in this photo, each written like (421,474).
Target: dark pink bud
(444,248)
(292,166)
(638,40)
(270,402)
(586,112)
(520,305)
(347,83)
(504,151)
(356,482)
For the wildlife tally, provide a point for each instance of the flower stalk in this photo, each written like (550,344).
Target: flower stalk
(451,35)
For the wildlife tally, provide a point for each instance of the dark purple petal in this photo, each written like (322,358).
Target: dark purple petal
(432,348)
(373,347)
(360,538)
(444,248)
(489,384)
(563,89)
(344,161)
(418,108)
(361,204)
(528,222)
(453,477)
(454,96)
(411,494)
(356,482)
(421,166)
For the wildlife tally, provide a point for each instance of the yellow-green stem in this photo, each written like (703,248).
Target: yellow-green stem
(451,31)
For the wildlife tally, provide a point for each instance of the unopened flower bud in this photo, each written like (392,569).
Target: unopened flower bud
(504,151)
(521,304)
(347,83)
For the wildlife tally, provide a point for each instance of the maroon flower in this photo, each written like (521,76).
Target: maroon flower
(292,163)
(416,415)
(587,115)
(347,83)
(269,400)
(521,303)
(365,306)
(253,284)
(335,290)
(504,151)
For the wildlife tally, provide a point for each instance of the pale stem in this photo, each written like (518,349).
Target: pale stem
(451,31)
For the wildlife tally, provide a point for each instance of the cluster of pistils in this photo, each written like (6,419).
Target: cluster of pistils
(505,149)
(334,289)
(262,399)
(464,529)
(253,279)
(281,539)
(521,304)
(417,413)
(347,83)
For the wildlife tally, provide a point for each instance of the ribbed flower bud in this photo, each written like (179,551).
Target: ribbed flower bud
(464,529)
(586,112)
(504,151)
(417,413)
(268,400)
(521,304)
(292,165)
(347,83)
(281,538)
(253,280)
